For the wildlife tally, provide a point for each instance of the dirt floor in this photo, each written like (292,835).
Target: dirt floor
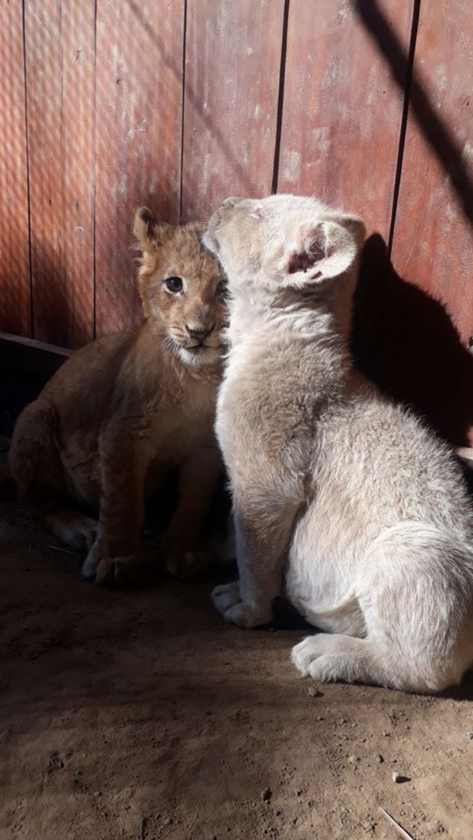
(140,714)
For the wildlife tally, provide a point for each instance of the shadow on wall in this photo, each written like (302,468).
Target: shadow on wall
(54,313)
(405,340)
(440,139)
(403,337)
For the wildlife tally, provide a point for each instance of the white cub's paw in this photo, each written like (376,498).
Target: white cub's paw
(226,596)
(227,600)
(308,651)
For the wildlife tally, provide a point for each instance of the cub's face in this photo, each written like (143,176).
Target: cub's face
(182,288)
(282,242)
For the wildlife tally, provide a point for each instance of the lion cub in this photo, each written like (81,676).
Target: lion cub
(127,408)
(338,490)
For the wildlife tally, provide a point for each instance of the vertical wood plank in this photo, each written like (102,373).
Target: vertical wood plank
(60,46)
(233,56)
(426,360)
(138,139)
(15,301)
(342,106)
(434,238)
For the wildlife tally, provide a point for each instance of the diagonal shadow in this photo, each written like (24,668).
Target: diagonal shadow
(444,146)
(403,337)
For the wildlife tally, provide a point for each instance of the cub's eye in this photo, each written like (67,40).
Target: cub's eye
(221,287)
(174,284)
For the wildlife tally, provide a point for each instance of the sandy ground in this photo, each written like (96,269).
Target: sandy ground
(140,715)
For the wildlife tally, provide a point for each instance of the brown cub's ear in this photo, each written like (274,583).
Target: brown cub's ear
(326,250)
(148,231)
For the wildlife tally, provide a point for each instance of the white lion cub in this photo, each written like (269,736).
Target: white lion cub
(337,490)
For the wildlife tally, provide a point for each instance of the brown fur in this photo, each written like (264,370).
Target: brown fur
(126,409)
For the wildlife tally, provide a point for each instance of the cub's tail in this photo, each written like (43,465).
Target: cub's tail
(7,486)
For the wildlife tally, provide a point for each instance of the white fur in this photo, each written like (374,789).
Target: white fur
(341,496)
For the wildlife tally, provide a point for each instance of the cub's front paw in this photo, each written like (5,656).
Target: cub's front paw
(227,599)
(109,571)
(188,564)
(226,596)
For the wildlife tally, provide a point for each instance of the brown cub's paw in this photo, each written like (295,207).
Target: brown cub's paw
(78,532)
(86,534)
(117,571)
(188,564)
(109,571)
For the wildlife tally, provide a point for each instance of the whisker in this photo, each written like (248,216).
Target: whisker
(169,345)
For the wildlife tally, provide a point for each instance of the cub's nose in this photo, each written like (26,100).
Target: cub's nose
(199,334)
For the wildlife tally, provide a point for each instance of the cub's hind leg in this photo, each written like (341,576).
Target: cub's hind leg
(39,476)
(416,597)
(34,458)
(75,529)
(329,658)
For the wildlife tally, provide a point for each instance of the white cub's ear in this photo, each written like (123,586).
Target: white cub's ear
(325,250)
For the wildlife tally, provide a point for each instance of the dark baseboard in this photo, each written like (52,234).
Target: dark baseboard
(28,357)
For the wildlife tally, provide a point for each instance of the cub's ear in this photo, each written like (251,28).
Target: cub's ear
(149,233)
(325,250)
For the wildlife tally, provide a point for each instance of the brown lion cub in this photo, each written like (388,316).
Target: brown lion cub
(127,408)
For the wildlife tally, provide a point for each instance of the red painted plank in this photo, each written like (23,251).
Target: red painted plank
(433,242)
(138,139)
(233,56)
(60,89)
(434,237)
(15,303)
(342,106)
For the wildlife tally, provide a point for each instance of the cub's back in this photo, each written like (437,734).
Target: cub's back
(81,391)
(378,457)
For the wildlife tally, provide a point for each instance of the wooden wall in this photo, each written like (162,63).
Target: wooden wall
(179,103)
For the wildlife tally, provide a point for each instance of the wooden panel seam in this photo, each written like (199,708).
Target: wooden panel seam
(404,120)
(183,104)
(28,186)
(280,110)
(94,183)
